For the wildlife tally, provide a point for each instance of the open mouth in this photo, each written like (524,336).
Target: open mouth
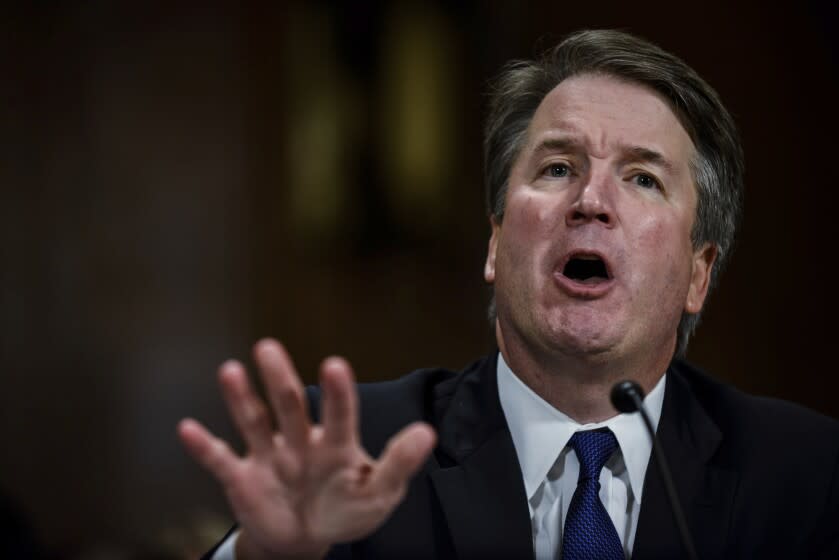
(586,269)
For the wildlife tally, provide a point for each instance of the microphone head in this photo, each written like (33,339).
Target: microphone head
(623,396)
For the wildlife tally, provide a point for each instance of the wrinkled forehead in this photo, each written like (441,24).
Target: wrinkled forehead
(602,112)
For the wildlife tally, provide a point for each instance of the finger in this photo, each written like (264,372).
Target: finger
(404,455)
(340,401)
(246,409)
(209,451)
(285,392)
(289,465)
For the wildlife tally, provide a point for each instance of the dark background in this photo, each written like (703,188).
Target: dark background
(179,179)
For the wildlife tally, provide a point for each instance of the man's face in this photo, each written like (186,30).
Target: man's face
(594,256)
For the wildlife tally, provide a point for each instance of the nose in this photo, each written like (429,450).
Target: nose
(593,203)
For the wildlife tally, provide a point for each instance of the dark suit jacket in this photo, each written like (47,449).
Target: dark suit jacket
(757,477)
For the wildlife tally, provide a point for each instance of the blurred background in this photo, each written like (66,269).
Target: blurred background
(179,179)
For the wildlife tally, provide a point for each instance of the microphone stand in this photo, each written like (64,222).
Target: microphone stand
(627,396)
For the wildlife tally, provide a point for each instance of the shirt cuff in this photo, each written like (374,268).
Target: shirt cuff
(227,549)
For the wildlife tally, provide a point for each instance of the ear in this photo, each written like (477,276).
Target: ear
(703,263)
(489,266)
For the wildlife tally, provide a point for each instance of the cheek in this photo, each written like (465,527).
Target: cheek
(531,217)
(665,246)
(529,226)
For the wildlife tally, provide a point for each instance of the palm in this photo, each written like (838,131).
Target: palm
(330,502)
(298,490)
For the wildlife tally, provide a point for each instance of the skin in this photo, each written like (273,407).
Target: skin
(300,488)
(605,170)
(303,487)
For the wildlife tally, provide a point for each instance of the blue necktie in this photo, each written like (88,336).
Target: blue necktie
(589,533)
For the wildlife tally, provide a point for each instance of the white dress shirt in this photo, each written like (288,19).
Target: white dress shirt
(227,550)
(550,469)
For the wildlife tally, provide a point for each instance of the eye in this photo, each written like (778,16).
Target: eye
(557,170)
(646,181)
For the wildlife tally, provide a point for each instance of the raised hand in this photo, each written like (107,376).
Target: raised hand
(302,487)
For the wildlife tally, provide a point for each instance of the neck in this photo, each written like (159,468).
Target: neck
(579,385)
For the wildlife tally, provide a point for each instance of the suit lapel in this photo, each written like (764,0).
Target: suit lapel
(479,485)
(689,439)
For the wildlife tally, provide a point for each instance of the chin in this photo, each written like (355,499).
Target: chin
(583,339)
(583,347)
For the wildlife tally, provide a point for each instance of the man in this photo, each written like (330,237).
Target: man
(614,179)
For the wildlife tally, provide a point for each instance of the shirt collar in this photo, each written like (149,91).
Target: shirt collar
(540,431)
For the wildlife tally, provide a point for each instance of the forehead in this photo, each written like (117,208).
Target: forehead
(604,112)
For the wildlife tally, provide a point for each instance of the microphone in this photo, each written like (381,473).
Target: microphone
(627,396)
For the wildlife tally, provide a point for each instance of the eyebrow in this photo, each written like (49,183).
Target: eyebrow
(629,154)
(645,155)
(558,144)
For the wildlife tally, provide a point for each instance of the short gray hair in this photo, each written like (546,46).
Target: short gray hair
(718,166)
